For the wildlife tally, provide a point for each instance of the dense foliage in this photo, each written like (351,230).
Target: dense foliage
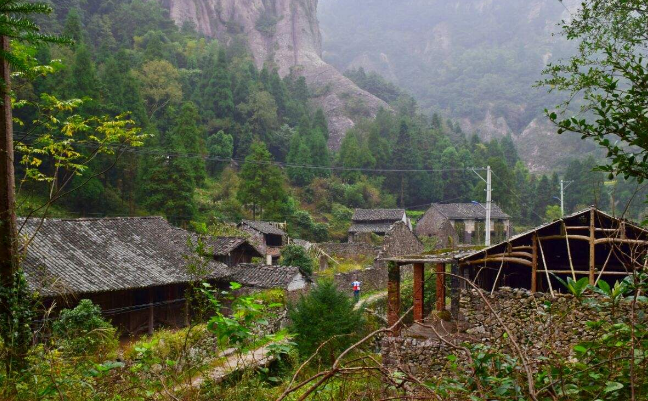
(325,318)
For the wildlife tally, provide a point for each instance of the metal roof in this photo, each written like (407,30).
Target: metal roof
(378,214)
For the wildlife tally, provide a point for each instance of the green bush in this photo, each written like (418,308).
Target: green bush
(295,255)
(83,331)
(325,314)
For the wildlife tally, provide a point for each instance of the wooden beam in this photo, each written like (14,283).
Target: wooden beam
(592,253)
(534,263)
(620,241)
(393,297)
(522,248)
(512,255)
(586,272)
(570,236)
(499,259)
(440,287)
(419,283)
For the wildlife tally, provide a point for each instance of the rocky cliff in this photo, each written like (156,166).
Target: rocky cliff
(475,61)
(286,33)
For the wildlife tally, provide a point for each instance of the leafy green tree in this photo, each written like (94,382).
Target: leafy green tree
(300,154)
(261,182)
(220,146)
(84,74)
(354,154)
(325,314)
(608,73)
(297,256)
(553,212)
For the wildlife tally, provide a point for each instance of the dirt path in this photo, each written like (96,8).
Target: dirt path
(235,362)
(370,299)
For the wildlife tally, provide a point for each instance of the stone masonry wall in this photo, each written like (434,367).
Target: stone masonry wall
(537,321)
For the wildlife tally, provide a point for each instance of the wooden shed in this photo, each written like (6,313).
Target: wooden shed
(589,243)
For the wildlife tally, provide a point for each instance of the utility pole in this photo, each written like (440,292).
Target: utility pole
(489,188)
(562,195)
(8,232)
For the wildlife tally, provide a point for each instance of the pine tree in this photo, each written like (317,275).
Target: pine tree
(261,183)
(190,136)
(221,146)
(218,95)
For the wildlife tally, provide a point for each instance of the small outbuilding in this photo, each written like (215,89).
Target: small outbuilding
(375,221)
(589,243)
(268,237)
(467,219)
(233,251)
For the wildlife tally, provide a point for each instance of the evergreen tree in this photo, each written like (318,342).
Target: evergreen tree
(221,146)
(84,78)
(218,93)
(191,137)
(73,27)
(261,183)
(354,153)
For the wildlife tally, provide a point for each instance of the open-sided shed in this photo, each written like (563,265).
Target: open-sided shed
(589,243)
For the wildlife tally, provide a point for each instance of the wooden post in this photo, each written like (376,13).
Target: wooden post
(454,291)
(393,297)
(440,287)
(534,262)
(592,259)
(419,283)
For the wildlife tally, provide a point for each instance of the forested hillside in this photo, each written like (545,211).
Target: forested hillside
(228,141)
(475,61)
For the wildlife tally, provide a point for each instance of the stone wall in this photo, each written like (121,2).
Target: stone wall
(349,250)
(539,323)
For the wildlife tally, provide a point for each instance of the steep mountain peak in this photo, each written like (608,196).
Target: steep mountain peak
(286,33)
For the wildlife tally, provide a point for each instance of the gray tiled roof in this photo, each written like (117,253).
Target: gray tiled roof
(109,254)
(263,276)
(369,227)
(264,227)
(468,211)
(378,214)
(225,245)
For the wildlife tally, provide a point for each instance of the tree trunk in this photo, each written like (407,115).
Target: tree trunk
(8,234)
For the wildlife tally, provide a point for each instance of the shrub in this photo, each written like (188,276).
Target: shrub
(322,315)
(83,331)
(295,255)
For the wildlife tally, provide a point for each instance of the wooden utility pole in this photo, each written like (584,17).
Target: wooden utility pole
(8,231)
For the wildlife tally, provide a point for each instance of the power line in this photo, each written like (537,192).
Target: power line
(152,152)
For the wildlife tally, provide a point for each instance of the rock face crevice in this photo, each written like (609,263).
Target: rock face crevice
(294,43)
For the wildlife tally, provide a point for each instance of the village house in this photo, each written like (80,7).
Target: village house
(268,237)
(136,269)
(233,251)
(468,221)
(366,222)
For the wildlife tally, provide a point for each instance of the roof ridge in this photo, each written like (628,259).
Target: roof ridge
(98,218)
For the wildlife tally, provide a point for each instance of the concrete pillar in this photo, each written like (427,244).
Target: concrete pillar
(393,297)
(269,260)
(419,285)
(440,287)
